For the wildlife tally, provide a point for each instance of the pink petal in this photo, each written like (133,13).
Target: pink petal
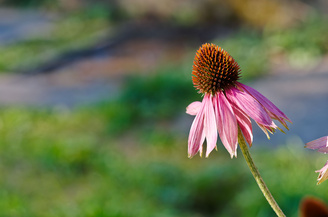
(210,128)
(318,143)
(226,123)
(281,120)
(273,110)
(196,135)
(266,128)
(201,145)
(323,150)
(245,124)
(193,108)
(323,174)
(250,106)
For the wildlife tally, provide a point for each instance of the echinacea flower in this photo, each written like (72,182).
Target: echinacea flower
(321,145)
(227,104)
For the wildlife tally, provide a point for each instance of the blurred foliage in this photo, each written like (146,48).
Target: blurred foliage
(272,14)
(301,46)
(146,100)
(28,3)
(249,50)
(255,13)
(64,163)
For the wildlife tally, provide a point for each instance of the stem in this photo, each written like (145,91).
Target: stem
(257,176)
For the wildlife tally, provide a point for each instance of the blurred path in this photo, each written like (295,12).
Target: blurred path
(89,79)
(17,25)
(95,73)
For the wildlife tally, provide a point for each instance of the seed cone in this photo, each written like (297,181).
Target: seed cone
(214,70)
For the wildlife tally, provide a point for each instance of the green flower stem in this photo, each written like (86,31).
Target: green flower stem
(257,175)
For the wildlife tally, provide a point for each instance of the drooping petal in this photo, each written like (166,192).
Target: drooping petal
(193,108)
(245,124)
(318,143)
(267,129)
(196,135)
(250,106)
(272,109)
(281,120)
(210,128)
(226,123)
(323,174)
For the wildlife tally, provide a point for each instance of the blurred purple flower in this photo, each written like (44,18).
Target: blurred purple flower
(321,145)
(227,104)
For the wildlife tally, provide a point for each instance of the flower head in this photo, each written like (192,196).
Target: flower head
(322,145)
(214,70)
(227,104)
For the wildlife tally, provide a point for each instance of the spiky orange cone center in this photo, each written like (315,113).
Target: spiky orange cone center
(214,70)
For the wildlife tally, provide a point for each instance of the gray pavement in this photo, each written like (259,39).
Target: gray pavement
(46,90)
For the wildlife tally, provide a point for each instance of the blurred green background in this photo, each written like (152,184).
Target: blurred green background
(126,155)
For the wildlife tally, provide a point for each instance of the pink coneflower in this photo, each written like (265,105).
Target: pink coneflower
(227,104)
(322,145)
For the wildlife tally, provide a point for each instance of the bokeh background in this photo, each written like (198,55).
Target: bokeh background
(93,96)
